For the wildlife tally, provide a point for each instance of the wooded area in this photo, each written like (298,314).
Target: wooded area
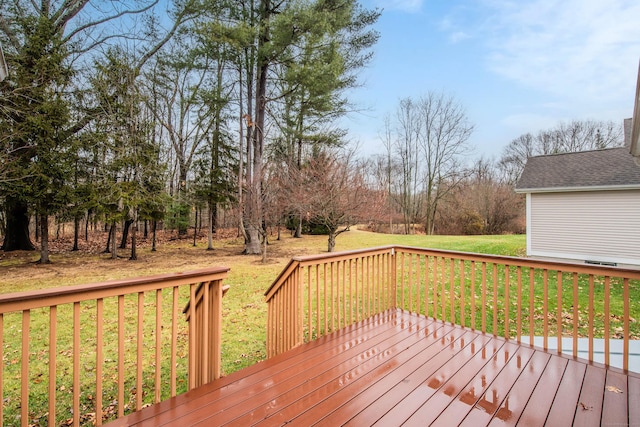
(124,113)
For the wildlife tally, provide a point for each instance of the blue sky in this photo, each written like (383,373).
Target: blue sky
(517,66)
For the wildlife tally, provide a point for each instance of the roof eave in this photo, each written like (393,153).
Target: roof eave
(576,189)
(635,126)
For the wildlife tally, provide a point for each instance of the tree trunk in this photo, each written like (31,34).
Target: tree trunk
(44,239)
(107,249)
(153,235)
(252,244)
(332,241)
(254,197)
(210,229)
(114,249)
(17,230)
(264,251)
(195,228)
(134,252)
(298,233)
(76,232)
(125,233)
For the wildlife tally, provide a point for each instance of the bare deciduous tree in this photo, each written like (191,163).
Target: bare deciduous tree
(430,137)
(335,192)
(566,137)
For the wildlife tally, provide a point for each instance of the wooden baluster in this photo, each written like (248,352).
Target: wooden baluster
(507,303)
(559,311)
(452,291)
(473,295)
(463,288)
(436,285)
(410,282)
(531,304)
(317,300)
(99,358)
(519,307)
(484,297)
(607,318)
(626,325)
(158,350)
(76,364)
(121,355)
(174,339)
(193,343)
(545,308)
(575,315)
(495,298)
(139,350)
(591,315)
(309,304)
(333,299)
(53,339)
(24,371)
(426,285)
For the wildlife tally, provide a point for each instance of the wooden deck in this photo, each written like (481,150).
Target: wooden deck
(398,368)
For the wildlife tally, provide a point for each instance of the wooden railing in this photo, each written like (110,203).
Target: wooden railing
(517,298)
(91,353)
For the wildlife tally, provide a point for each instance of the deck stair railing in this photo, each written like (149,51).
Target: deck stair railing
(83,355)
(516,298)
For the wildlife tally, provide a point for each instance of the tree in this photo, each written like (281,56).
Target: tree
(566,137)
(444,135)
(284,29)
(482,203)
(429,139)
(335,192)
(131,172)
(45,41)
(403,141)
(39,141)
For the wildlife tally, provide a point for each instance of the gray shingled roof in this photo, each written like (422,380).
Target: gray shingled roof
(612,167)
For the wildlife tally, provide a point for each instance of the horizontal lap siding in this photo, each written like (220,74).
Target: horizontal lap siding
(592,225)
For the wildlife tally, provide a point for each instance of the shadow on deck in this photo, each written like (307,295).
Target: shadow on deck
(398,368)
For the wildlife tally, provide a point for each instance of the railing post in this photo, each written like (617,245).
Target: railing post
(394,278)
(205,333)
(300,302)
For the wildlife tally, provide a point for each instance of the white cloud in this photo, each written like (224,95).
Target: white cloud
(458,36)
(587,48)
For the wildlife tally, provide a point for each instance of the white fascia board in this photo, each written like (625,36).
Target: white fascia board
(576,189)
(528,220)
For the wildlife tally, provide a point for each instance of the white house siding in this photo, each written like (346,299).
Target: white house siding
(602,226)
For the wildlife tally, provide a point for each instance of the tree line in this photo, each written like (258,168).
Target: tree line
(125,113)
(122,112)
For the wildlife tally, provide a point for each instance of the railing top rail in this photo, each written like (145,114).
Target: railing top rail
(78,293)
(305,260)
(292,265)
(598,270)
(337,256)
(569,267)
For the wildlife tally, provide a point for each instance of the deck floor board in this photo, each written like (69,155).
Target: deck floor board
(398,368)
